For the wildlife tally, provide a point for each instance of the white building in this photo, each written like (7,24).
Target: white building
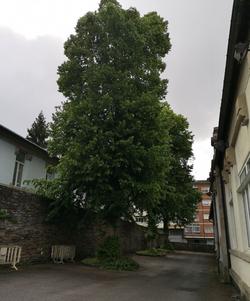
(230,172)
(176,233)
(21,160)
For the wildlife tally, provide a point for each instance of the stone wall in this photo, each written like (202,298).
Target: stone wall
(27,227)
(26,224)
(131,235)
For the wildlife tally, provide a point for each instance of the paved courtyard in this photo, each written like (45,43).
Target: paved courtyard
(178,277)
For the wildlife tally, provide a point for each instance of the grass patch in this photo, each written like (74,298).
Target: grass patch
(91,261)
(120,264)
(155,252)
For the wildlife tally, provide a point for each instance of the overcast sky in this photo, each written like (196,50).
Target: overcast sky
(32,34)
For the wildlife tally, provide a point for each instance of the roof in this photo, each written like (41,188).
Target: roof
(18,140)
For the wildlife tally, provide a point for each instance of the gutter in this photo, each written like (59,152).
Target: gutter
(229,84)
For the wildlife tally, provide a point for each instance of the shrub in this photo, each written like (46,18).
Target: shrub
(109,257)
(110,249)
(169,246)
(121,264)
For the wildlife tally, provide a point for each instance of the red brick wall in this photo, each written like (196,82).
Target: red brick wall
(202,209)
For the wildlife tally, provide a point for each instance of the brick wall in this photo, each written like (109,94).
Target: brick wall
(27,227)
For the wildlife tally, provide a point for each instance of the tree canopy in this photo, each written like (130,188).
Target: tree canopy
(181,198)
(109,135)
(121,148)
(38,133)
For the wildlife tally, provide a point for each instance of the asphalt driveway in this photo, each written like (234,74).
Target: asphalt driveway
(178,277)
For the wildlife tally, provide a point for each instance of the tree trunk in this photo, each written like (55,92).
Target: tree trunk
(166,232)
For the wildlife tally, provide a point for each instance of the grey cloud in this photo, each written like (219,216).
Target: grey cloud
(195,66)
(27,78)
(199,32)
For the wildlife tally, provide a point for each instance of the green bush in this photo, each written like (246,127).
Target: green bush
(109,257)
(110,249)
(121,264)
(169,246)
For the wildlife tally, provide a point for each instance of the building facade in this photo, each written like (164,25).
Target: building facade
(21,160)
(201,231)
(230,170)
(176,233)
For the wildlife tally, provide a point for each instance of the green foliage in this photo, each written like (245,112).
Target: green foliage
(154,252)
(168,246)
(109,257)
(120,264)
(108,134)
(152,226)
(91,261)
(110,249)
(180,201)
(39,132)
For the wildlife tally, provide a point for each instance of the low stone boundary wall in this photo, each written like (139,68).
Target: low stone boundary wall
(26,226)
(131,235)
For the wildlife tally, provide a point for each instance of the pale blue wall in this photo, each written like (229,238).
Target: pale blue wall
(33,169)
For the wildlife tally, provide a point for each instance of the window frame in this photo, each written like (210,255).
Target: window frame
(206,205)
(244,191)
(191,229)
(206,216)
(18,169)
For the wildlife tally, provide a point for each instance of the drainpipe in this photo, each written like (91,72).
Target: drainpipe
(216,235)
(225,219)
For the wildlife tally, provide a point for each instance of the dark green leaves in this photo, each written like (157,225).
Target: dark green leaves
(109,134)
(38,133)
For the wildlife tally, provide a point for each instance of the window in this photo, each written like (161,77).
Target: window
(243,175)
(18,170)
(209,229)
(204,189)
(193,228)
(206,216)
(244,189)
(245,171)
(246,200)
(206,202)
(141,219)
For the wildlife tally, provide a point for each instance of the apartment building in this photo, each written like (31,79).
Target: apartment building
(201,231)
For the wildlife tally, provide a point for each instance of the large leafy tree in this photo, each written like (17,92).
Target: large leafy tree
(179,204)
(39,132)
(109,135)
